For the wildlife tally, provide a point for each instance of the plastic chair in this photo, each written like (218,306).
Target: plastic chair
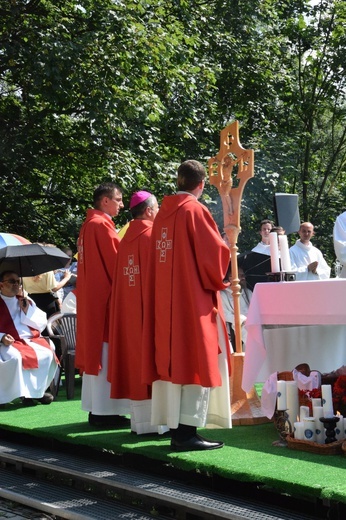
(63,327)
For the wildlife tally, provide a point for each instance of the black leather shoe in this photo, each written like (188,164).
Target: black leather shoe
(108,421)
(27,401)
(195,443)
(46,399)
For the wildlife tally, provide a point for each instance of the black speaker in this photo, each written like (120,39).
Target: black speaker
(287,211)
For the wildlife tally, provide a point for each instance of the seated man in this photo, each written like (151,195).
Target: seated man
(27,361)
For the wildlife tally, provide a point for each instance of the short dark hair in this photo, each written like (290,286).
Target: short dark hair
(265,221)
(105,189)
(8,271)
(138,210)
(190,174)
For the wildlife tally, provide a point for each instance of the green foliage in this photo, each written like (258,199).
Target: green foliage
(108,89)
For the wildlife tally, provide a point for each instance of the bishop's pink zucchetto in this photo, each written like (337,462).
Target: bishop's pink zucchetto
(138,197)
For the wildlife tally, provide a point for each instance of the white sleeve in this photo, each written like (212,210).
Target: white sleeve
(34,317)
(339,235)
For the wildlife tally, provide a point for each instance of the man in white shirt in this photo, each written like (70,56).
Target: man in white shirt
(339,235)
(307,261)
(263,246)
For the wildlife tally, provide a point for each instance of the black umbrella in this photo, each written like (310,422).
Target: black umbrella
(32,259)
(255,267)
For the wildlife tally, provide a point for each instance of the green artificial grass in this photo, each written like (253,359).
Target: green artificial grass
(248,455)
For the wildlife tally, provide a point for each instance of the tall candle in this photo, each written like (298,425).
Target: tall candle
(292,401)
(281,395)
(327,401)
(345,427)
(274,252)
(284,253)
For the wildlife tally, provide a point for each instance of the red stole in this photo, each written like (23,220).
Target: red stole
(28,353)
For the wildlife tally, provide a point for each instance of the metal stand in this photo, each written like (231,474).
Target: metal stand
(283,427)
(281,276)
(330,424)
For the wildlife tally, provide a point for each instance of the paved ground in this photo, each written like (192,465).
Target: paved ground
(15,511)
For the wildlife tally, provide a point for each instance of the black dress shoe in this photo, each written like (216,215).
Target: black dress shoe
(108,421)
(195,443)
(46,399)
(27,401)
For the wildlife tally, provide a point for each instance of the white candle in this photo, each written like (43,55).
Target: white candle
(345,427)
(274,252)
(317,412)
(320,431)
(292,401)
(298,431)
(309,429)
(284,253)
(281,395)
(339,428)
(327,401)
(304,411)
(316,401)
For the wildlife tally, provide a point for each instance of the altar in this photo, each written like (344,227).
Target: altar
(295,322)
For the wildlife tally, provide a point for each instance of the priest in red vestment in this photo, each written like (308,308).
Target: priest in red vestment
(126,322)
(185,344)
(97,248)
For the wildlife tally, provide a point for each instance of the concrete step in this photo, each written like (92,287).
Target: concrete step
(75,487)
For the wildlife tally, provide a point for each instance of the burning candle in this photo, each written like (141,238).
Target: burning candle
(339,428)
(274,252)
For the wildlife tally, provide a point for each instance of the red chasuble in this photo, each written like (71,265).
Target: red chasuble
(97,246)
(187,264)
(126,318)
(29,357)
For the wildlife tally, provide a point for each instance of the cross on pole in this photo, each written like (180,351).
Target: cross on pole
(229,171)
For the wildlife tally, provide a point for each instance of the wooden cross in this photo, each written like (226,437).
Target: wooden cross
(229,171)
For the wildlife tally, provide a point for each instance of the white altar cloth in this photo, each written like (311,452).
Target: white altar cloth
(291,306)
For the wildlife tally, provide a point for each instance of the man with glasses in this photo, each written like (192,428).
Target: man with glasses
(27,360)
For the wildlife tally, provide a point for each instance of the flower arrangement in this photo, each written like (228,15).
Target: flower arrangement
(339,395)
(305,396)
(310,394)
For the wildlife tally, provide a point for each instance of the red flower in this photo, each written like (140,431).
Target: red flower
(339,395)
